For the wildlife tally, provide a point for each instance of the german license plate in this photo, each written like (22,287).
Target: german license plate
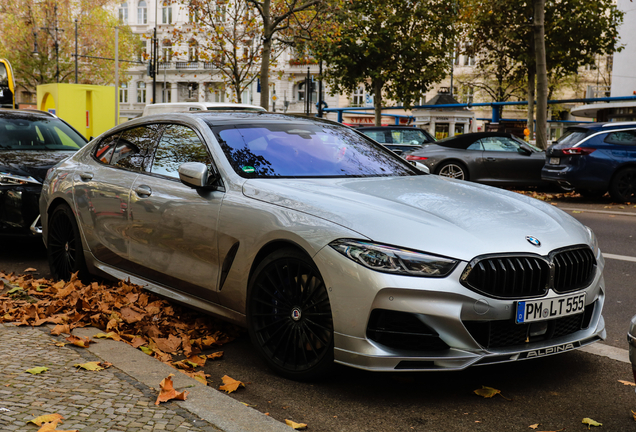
(554,161)
(539,310)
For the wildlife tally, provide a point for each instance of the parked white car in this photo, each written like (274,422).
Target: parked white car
(162,108)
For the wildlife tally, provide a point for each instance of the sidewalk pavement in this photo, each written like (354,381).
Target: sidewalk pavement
(120,398)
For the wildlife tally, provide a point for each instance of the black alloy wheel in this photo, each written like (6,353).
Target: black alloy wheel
(289,316)
(623,186)
(64,245)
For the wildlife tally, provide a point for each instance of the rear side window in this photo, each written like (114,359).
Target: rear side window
(621,138)
(571,137)
(379,136)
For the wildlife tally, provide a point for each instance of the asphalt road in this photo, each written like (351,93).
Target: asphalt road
(555,392)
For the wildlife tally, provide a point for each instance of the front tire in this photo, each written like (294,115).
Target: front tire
(64,245)
(289,316)
(623,186)
(453,170)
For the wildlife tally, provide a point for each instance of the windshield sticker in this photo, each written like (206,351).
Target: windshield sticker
(248,169)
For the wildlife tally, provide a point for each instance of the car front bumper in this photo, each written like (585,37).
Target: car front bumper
(19,210)
(453,316)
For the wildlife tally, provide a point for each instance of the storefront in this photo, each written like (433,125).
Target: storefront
(444,122)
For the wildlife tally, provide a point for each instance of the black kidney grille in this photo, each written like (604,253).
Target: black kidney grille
(531,276)
(510,276)
(573,269)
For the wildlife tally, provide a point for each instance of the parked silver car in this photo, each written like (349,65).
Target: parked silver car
(325,245)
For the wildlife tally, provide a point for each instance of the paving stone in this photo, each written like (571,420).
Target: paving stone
(104,401)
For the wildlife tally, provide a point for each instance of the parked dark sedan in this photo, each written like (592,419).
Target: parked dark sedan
(398,138)
(493,158)
(31,142)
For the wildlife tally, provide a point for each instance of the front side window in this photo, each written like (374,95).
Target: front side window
(179,144)
(499,144)
(142,12)
(305,150)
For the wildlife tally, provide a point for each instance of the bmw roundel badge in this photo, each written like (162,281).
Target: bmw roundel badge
(533,241)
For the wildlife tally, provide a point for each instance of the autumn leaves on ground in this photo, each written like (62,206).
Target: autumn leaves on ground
(124,312)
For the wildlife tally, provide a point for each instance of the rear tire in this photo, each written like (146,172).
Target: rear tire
(623,186)
(64,245)
(454,170)
(289,316)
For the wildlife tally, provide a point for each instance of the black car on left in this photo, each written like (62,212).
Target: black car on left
(31,142)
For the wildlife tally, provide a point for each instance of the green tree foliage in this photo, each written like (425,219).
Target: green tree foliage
(396,48)
(576,32)
(228,34)
(26,22)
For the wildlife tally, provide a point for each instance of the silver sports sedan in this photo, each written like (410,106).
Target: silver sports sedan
(325,245)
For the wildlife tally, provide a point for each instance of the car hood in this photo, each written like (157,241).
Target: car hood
(34,163)
(428,213)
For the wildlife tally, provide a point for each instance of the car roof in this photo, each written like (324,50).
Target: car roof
(25,113)
(464,140)
(388,127)
(600,126)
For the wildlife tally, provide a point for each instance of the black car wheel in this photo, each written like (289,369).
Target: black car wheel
(289,316)
(64,245)
(623,186)
(453,170)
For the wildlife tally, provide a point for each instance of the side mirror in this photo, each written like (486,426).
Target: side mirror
(524,151)
(194,174)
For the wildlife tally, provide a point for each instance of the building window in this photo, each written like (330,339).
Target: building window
(193,89)
(215,92)
(357,97)
(609,63)
(166,14)
(123,13)
(220,13)
(193,51)
(166,51)
(142,51)
(467,94)
(141,92)
(142,12)
(123,93)
(167,92)
(193,16)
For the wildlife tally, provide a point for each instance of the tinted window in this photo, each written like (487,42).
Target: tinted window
(178,144)
(406,136)
(105,148)
(134,147)
(571,137)
(379,136)
(499,144)
(20,133)
(621,138)
(305,150)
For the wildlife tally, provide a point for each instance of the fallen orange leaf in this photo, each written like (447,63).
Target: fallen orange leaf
(230,384)
(168,392)
(47,418)
(30,269)
(297,426)
(80,342)
(627,383)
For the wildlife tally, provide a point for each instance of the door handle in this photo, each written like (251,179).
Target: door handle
(490,159)
(86,176)
(143,191)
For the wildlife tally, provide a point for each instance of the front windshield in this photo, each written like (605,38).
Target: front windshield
(22,133)
(299,149)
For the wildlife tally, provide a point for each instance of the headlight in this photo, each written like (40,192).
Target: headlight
(14,179)
(388,259)
(593,241)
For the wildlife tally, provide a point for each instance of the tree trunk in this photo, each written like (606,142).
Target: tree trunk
(542,75)
(531,87)
(267,52)
(377,101)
